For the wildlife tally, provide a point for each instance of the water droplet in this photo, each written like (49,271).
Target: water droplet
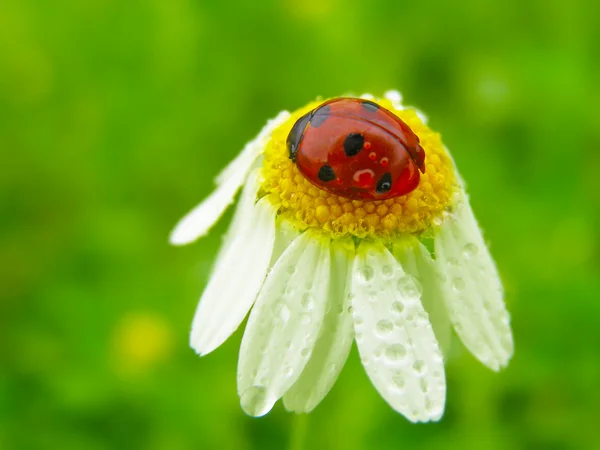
(291,269)
(395,352)
(453,262)
(387,271)
(419,366)
(305,319)
(398,381)
(331,367)
(470,250)
(307,300)
(422,318)
(366,274)
(458,284)
(281,312)
(408,288)
(256,401)
(288,371)
(428,405)
(385,326)
(397,308)
(423,385)
(305,352)
(358,320)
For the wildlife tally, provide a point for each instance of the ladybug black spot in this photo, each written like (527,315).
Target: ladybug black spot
(296,134)
(370,106)
(353,144)
(385,183)
(320,115)
(326,173)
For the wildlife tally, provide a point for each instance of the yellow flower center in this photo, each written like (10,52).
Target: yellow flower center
(306,206)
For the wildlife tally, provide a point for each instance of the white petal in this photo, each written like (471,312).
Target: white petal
(200,219)
(284,236)
(236,280)
(284,324)
(416,261)
(394,337)
(243,212)
(334,343)
(252,149)
(395,97)
(421,115)
(473,291)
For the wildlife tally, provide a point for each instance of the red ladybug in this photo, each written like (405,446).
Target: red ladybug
(356,149)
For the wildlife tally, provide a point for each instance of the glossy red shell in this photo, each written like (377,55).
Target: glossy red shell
(356,149)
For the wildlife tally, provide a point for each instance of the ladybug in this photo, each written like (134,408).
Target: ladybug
(356,149)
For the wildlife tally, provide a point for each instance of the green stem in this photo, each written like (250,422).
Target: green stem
(298,433)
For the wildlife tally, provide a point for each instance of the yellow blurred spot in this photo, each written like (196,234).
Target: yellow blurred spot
(305,206)
(140,341)
(310,10)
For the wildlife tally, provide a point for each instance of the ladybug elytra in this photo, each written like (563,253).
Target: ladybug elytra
(356,149)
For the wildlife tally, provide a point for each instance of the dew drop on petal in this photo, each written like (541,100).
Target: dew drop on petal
(387,271)
(305,351)
(422,317)
(398,381)
(397,307)
(458,284)
(281,312)
(305,319)
(428,405)
(470,250)
(307,301)
(366,274)
(395,352)
(408,288)
(419,366)
(255,401)
(385,327)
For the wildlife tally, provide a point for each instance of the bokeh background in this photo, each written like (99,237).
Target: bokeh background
(114,118)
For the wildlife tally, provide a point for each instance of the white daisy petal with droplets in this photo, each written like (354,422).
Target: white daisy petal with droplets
(395,339)
(416,261)
(236,279)
(473,293)
(284,324)
(201,219)
(334,343)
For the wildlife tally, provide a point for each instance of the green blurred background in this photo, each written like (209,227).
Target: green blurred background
(114,118)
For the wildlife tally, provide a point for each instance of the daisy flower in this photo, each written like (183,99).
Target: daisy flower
(321,262)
